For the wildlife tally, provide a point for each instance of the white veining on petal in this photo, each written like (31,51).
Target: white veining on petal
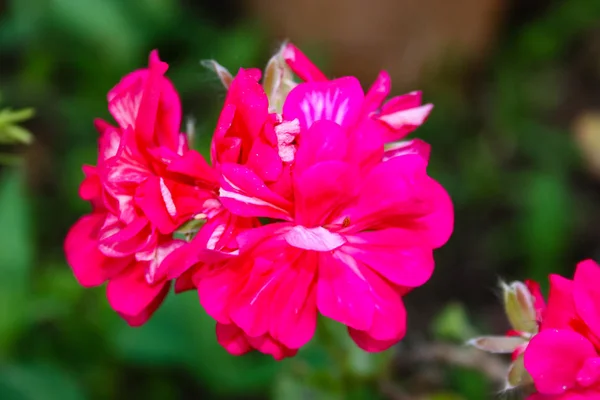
(215,236)
(317,239)
(328,105)
(167,198)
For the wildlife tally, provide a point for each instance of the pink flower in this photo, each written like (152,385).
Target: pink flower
(563,359)
(352,226)
(140,193)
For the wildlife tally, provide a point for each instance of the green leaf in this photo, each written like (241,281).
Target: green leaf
(453,323)
(15,134)
(8,116)
(15,256)
(182,334)
(34,382)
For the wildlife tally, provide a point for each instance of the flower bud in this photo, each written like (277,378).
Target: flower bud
(519,305)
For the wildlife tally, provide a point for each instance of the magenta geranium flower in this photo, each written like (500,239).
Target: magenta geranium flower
(314,204)
(352,224)
(138,193)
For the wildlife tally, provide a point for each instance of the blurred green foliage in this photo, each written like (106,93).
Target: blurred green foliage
(501,146)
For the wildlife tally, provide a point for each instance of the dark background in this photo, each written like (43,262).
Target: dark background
(516,141)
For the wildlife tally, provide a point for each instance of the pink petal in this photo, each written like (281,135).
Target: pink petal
(232,339)
(366,143)
(125,98)
(389,316)
(367,343)
(439,221)
(322,190)
(539,303)
(250,307)
(339,101)
(393,189)
(293,306)
(91,187)
(207,246)
(246,195)
(154,257)
(129,294)
(316,239)
(377,93)
(109,141)
(267,345)
(154,198)
(415,146)
(405,121)
(323,141)
(185,282)
(248,239)
(217,286)
(560,311)
(590,373)
(142,317)
(90,266)
(586,294)
(246,112)
(343,292)
(117,239)
(401,265)
(301,65)
(150,104)
(224,149)
(403,102)
(264,160)
(192,164)
(554,358)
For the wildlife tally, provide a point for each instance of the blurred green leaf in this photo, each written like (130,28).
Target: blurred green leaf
(9,131)
(15,256)
(545,222)
(181,334)
(452,323)
(102,23)
(36,382)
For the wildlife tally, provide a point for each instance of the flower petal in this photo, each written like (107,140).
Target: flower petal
(554,359)
(264,160)
(246,195)
(301,65)
(322,190)
(586,294)
(233,339)
(146,313)
(323,141)
(343,292)
(293,306)
(339,100)
(129,294)
(89,265)
(560,310)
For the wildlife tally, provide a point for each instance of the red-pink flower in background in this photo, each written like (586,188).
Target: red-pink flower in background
(564,358)
(138,193)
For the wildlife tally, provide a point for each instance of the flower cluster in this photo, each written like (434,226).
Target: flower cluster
(561,354)
(313,203)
